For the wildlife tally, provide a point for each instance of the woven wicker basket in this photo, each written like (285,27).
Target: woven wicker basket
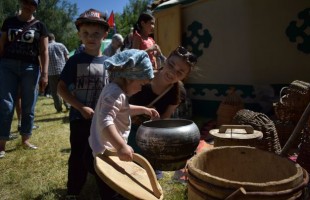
(284,130)
(260,122)
(293,101)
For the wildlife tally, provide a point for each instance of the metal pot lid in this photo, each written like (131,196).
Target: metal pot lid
(236,132)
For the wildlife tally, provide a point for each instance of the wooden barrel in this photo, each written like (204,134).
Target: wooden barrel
(245,173)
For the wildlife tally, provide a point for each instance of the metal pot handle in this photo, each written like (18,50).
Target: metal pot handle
(248,128)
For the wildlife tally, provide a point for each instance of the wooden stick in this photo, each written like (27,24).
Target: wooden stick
(236,194)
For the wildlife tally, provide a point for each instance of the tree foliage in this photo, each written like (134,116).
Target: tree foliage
(130,14)
(57,15)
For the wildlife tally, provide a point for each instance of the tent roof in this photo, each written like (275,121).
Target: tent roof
(167,4)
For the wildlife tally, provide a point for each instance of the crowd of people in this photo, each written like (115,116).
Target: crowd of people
(120,83)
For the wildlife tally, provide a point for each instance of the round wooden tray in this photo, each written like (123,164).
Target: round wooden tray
(133,180)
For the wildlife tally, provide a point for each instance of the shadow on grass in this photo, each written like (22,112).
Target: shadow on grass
(58,193)
(89,191)
(10,150)
(65,150)
(64,119)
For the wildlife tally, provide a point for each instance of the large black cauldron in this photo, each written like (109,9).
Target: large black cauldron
(168,144)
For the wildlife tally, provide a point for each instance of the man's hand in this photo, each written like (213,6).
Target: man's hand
(43,82)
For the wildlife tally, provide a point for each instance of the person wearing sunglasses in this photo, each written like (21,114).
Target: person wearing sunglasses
(175,69)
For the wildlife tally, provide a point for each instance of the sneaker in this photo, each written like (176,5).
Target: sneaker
(2,154)
(13,136)
(34,127)
(29,146)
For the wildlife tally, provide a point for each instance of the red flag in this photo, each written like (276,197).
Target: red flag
(111,19)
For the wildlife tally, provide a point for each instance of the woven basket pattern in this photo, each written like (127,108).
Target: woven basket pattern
(293,101)
(260,122)
(285,130)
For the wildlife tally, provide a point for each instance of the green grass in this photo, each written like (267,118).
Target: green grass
(42,174)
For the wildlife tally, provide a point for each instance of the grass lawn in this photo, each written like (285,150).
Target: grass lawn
(42,173)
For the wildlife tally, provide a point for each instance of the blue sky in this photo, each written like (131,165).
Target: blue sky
(102,5)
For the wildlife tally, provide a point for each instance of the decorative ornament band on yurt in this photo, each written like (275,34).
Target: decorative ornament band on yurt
(229,107)
(260,122)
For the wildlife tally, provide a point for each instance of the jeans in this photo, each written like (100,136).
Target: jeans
(53,81)
(15,74)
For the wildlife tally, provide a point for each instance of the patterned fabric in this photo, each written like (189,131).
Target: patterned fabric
(57,57)
(130,64)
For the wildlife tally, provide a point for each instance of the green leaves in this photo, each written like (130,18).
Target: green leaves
(130,14)
(59,17)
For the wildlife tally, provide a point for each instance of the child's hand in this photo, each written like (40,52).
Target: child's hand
(152,113)
(87,112)
(125,153)
(158,51)
(155,47)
